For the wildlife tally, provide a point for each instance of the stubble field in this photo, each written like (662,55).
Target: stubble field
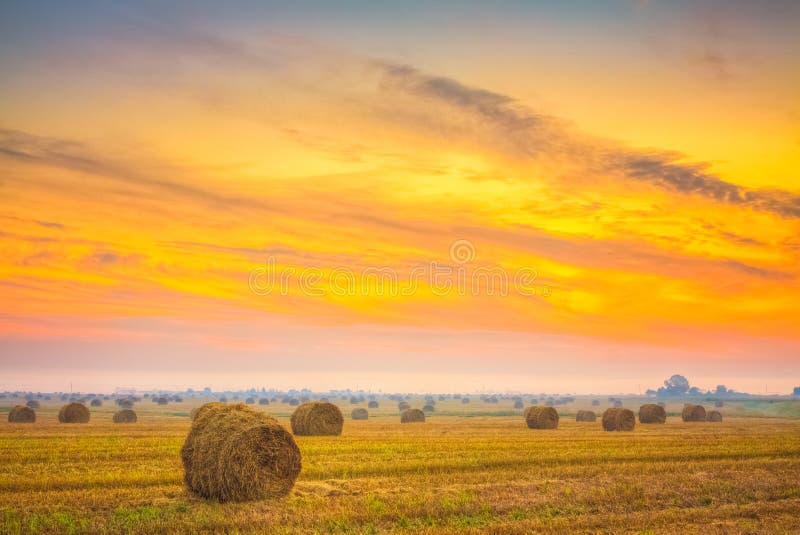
(468,468)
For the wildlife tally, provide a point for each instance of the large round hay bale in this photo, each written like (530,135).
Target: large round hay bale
(428,408)
(73,413)
(22,414)
(714,416)
(263,401)
(317,418)
(539,417)
(125,416)
(33,404)
(359,414)
(410,416)
(618,419)
(519,404)
(585,416)
(403,406)
(235,453)
(650,413)
(96,403)
(372,404)
(693,413)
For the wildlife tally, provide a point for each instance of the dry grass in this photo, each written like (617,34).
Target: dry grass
(478,472)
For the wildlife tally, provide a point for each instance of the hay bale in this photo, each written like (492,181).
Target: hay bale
(428,408)
(359,414)
(585,416)
(263,401)
(73,413)
(714,416)
(33,404)
(21,414)
(96,403)
(125,403)
(234,453)
(595,403)
(372,404)
(161,400)
(410,416)
(317,418)
(223,399)
(693,413)
(718,403)
(465,400)
(250,401)
(617,403)
(618,419)
(294,402)
(519,404)
(125,416)
(403,406)
(539,417)
(650,413)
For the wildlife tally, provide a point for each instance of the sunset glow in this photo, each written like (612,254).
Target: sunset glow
(641,161)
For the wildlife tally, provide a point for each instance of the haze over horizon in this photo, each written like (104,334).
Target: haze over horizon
(194,195)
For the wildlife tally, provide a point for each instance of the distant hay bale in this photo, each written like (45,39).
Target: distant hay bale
(519,404)
(465,400)
(585,416)
(650,413)
(403,406)
(317,418)
(618,419)
(223,399)
(125,416)
(263,401)
(539,417)
(354,400)
(410,416)
(32,404)
(22,414)
(234,453)
(250,401)
(617,403)
(96,403)
(294,402)
(595,403)
(372,404)
(73,413)
(125,403)
(693,413)
(718,403)
(714,416)
(359,414)
(428,408)
(162,400)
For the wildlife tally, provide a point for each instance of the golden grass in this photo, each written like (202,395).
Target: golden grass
(451,475)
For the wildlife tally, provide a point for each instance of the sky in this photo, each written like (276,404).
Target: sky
(567,197)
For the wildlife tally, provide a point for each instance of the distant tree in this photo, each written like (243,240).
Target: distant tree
(650,392)
(796,391)
(694,391)
(677,385)
(722,390)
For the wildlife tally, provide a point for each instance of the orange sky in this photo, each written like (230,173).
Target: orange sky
(649,179)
